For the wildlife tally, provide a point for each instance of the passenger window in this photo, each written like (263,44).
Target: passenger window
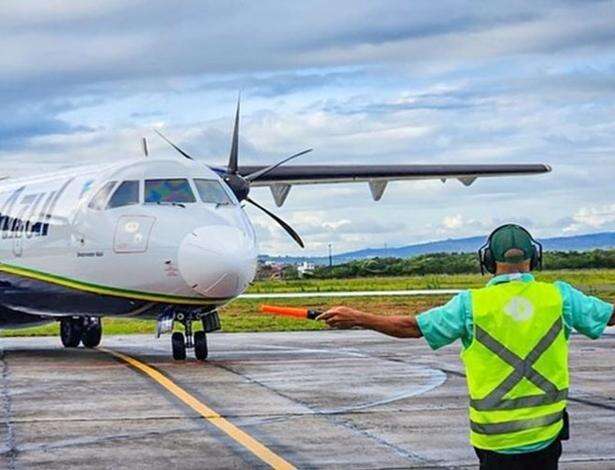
(168,190)
(99,200)
(126,194)
(211,191)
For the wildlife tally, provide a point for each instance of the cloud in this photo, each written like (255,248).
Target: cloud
(137,39)
(590,219)
(13,134)
(283,83)
(27,123)
(452,222)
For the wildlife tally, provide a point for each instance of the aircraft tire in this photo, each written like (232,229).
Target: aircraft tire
(92,335)
(200,345)
(178,345)
(71,331)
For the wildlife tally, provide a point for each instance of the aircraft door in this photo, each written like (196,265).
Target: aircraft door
(132,233)
(17,246)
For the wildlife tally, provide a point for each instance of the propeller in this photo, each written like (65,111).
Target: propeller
(162,136)
(283,224)
(240,185)
(264,171)
(234,156)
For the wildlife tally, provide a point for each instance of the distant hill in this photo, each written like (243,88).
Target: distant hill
(585,242)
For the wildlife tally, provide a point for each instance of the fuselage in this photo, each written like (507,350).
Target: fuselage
(122,239)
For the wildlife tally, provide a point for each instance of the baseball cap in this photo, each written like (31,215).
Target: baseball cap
(511,244)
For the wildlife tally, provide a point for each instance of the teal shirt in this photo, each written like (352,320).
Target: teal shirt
(443,325)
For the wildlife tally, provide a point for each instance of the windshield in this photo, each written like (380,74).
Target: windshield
(211,191)
(99,200)
(168,190)
(127,194)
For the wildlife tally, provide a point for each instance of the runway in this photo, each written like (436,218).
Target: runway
(335,399)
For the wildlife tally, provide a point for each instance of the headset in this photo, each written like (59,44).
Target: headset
(487,261)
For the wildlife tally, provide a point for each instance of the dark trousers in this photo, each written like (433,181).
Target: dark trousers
(544,459)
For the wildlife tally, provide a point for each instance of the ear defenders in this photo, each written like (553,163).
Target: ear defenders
(487,260)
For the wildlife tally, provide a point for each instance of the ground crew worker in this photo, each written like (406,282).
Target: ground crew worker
(514,336)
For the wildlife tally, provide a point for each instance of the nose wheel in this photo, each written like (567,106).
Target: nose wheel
(178,345)
(180,342)
(200,345)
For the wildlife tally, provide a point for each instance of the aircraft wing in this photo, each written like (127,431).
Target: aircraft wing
(316,174)
(280,179)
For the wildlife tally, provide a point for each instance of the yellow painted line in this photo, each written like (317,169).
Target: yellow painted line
(239,436)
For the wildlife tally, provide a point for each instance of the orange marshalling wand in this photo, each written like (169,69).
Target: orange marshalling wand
(303,313)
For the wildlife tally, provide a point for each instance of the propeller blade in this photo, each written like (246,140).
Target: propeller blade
(284,225)
(173,145)
(234,156)
(264,171)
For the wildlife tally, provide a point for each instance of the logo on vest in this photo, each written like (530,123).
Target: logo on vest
(519,308)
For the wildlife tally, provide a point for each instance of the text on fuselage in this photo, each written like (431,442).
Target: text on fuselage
(29,214)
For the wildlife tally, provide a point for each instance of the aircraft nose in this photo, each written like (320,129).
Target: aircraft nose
(217,261)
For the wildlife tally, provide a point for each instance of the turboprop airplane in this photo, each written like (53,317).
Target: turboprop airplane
(162,239)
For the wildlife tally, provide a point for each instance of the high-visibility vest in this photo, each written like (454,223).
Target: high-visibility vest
(516,365)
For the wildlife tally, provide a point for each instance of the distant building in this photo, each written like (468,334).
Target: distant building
(306,269)
(269,270)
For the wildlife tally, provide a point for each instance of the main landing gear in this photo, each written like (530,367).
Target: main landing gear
(197,340)
(85,330)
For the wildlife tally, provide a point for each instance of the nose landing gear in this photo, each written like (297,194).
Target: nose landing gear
(85,330)
(196,341)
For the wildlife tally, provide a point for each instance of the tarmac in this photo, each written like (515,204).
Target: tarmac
(332,399)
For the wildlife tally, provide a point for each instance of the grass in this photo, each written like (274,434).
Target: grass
(243,314)
(599,278)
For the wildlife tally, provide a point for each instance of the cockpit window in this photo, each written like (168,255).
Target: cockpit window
(211,191)
(99,200)
(168,190)
(126,194)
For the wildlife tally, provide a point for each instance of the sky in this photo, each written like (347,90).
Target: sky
(359,81)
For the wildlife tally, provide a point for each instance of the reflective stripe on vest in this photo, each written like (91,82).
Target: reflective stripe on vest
(522,369)
(516,365)
(518,425)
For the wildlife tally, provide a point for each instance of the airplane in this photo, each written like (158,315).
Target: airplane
(162,239)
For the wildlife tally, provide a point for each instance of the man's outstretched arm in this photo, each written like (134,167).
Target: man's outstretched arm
(587,314)
(397,326)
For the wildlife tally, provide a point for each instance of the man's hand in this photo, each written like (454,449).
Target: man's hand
(344,317)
